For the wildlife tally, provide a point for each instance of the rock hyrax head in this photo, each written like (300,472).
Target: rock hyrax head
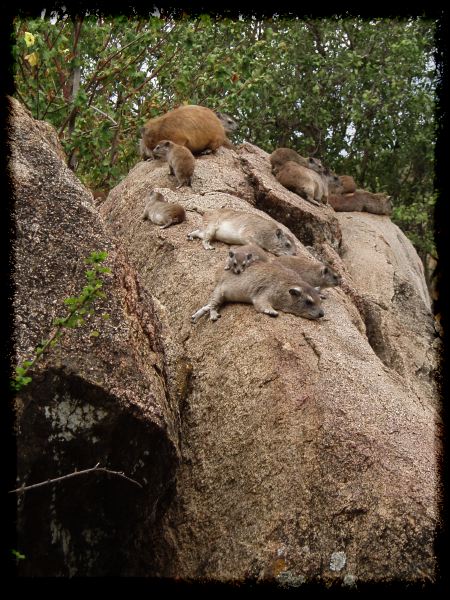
(162,148)
(228,123)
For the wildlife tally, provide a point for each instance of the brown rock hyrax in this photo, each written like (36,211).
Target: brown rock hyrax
(313,272)
(181,161)
(361,200)
(268,289)
(195,127)
(348,184)
(240,257)
(303,181)
(163,213)
(239,227)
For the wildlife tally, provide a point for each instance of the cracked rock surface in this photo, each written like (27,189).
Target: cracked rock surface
(306,451)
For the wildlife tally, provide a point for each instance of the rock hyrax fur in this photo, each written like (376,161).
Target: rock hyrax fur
(361,200)
(348,184)
(268,289)
(161,212)
(181,161)
(303,181)
(239,227)
(312,271)
(240,257)
(280,156)
(195,127)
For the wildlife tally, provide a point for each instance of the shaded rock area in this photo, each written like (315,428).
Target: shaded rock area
(94,399)
(281,450)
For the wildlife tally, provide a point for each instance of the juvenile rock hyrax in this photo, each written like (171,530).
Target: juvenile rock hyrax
(303,181)
(240,257)
(181,161)
(195,127)
(361,200)
(268,289)
(239,227)
(313,272)
(161,212)
(348,184)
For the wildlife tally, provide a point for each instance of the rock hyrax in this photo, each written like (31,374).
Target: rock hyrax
(181,161)
(239,227)
(312,271)
(195,127)
(361,200)
(268,289)
(240,257)
(161,212)
(303,181)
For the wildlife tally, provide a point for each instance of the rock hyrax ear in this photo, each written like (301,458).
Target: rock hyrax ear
(325,270)
(249,256)
(231,253)
(279,233)
(295,292)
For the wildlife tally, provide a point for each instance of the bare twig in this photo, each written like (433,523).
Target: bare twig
(105,115)
(97,468)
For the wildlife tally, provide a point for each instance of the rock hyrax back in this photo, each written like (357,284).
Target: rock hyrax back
(348,184)
(239,227)
(161,212)
(312,271)
(268,289)
(181,161)
(195,127)
(240,257)
(280,156)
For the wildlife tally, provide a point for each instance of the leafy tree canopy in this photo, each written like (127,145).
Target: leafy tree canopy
(358,94)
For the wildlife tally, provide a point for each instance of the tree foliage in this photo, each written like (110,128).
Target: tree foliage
(359,94)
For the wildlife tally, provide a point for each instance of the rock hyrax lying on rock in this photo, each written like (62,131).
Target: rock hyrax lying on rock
(312,271)
(268,289)
(303,181)
(239,227)
(181,161)
(161,212)
(240,257)
(192,126)
(378,204)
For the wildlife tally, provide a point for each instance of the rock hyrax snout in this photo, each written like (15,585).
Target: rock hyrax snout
(181,161)
(192,126)
(239,227)
(240,257)
(266,287)
(161,212)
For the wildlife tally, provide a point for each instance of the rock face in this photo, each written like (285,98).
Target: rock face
(308,451)
(95,399)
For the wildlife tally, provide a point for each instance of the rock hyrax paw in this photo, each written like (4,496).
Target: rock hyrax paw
(270,312)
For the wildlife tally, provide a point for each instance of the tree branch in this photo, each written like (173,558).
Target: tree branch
(97,468)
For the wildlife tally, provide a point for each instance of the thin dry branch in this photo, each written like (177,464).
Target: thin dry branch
(97,468)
